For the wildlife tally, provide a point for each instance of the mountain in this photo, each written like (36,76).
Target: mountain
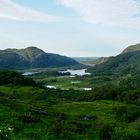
(32,57)
(125,63)
(132,48)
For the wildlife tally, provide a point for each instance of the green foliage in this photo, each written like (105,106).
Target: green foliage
(106,131)
(6,133)
(63,120)
(127,63)
(126,113)
(12,77)
(27,118)
(125,134)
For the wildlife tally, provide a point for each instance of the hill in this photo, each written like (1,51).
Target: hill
(13,78)
(123,65)
(32,57)
(132,48)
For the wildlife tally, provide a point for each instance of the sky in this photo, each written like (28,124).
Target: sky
(75,28)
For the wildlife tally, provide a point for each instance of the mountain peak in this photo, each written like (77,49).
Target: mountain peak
(34,49)
(31,52)
(132,48)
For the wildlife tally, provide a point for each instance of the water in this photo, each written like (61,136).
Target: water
(75,82)
(50,86)
(87,89)
(80,72)
(54,87)
(29,73)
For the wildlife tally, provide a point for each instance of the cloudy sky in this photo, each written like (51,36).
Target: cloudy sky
(70,27)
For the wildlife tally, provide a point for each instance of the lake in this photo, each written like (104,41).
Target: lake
(80,72)
(54,87)
(50,86)
(29,73)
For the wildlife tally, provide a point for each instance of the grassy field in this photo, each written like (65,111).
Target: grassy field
(32,113)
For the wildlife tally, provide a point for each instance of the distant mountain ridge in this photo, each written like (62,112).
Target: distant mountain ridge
(32,57)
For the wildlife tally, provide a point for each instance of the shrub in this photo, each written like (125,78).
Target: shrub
(106,131)
(126,113)
(12,77)
(125,134)
(6,133)
(27,118)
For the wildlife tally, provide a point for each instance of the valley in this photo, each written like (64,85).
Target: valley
(69,69)
(77,102)
(64,80)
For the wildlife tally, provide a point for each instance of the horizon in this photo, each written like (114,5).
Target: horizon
(74,28)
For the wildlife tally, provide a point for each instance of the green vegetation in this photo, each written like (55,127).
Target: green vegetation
(33,113)
(12,77)
(110,111)
(122,72)
(127,63)
(29,112)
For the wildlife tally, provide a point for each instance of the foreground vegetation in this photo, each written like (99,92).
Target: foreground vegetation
(31,112)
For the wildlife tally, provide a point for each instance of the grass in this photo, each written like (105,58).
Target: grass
(63,120)
(102,108)
(21,92)
(65,82)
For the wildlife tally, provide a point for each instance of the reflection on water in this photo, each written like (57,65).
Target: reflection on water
(29,73)
(50,86)
(87,89)
(75,82)
(80,72)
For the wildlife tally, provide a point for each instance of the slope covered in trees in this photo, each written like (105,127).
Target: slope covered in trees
(125,63)
(14,78)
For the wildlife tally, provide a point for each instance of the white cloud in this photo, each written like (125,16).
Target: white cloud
(107,12)
(14,11)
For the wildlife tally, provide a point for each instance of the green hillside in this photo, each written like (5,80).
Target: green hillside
(123,71)
(32,57)
(125,63)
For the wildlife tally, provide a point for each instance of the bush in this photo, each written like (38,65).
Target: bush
(27,118)
(125,134)
(6,133)
(106,131)
(12,77)
(126,113)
